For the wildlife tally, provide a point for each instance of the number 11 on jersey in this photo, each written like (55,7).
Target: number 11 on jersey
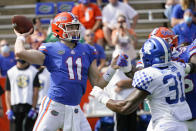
(71,69)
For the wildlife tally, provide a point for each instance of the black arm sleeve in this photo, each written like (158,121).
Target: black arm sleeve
(36,81)
(7,84)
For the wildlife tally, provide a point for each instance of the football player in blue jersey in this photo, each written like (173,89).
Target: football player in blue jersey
(188,54)
(162,83)
(185,54)
(70,65)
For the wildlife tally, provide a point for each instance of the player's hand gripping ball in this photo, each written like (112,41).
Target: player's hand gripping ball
(122,60)
(21,24)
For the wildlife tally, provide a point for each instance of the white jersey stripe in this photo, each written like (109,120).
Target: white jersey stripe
(165,48)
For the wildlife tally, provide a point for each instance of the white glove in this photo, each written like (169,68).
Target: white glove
(100,95)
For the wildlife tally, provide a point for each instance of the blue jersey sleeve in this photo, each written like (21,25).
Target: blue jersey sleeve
(187,52)
(44,49)
(142,81)
(92,53)
(191,50)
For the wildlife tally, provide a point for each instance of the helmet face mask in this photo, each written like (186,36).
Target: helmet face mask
(65,26)
(70,31)
(155,52)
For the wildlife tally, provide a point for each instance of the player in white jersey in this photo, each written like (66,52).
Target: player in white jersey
(44,80)
(162,83)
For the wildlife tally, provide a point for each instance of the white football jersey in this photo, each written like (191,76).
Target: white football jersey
(44,80)
(166,88)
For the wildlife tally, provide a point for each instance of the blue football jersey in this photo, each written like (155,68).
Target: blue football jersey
(68,70)
(184,55)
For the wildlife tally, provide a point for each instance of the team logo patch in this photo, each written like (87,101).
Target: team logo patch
(60,19)
(60,52)
(147,48)
(54,113)
(41,84)
(76,110)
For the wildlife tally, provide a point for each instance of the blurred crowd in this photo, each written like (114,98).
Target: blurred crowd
(105,27)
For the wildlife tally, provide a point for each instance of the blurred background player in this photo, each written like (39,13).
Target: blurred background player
(188,55)
(7,58)
(44,80)
(21,95)
(159,72)
(70,64)
(101,57)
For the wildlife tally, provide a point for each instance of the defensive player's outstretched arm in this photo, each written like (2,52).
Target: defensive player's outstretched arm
(31,56)
(128,105)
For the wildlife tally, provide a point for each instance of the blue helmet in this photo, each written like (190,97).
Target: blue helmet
(155,51)
(84,1)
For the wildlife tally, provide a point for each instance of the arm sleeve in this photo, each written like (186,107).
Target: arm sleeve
(36,81)
(44,49)
(143,81)
(7,84)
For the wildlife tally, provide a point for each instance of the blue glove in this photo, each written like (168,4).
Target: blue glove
(10,115)
(122,60)
(32,113)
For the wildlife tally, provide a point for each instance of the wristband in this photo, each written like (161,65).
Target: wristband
(105,99)
(100,95)
(109,74)
(22,38)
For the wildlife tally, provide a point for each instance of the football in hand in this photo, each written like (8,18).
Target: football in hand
(21,23)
